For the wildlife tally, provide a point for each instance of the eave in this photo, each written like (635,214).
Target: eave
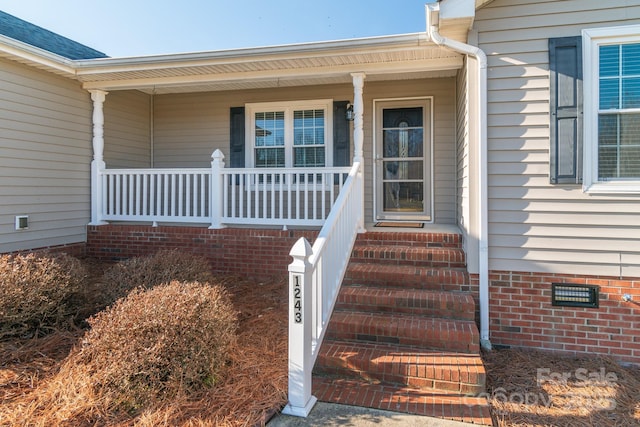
(382,58)
(399,57)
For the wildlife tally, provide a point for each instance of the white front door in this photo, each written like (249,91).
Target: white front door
(402,153)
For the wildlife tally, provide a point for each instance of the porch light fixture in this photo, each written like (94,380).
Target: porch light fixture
(349,114)
(574,295)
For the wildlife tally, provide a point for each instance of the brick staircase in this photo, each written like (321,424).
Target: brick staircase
(402,336)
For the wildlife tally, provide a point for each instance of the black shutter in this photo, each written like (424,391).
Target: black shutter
(341,135)
(565,73)
(237,142)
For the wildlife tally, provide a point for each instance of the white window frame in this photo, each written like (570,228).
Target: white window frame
(288,107)
(593,38)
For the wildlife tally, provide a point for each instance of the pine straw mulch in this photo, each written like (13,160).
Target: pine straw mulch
(536,388)
(254,388)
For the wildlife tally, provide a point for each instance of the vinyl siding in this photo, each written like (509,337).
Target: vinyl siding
(189,127)
(463,154)
(127,130)
(533,225)
(45,155)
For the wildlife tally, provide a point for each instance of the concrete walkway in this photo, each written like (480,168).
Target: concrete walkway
(331,414)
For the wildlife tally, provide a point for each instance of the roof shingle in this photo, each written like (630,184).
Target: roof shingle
(34,35)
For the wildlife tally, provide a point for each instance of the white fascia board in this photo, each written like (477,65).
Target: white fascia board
(26,52)
(230,56)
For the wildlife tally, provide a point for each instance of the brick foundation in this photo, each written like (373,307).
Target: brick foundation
(243,251)
(521,315)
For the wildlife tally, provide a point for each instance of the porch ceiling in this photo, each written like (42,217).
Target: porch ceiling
(381,58)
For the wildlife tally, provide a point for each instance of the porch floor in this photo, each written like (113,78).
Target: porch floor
(427,228)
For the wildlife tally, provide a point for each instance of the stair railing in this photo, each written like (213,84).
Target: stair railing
(315,276)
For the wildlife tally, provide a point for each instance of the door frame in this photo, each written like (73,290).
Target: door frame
(379,104)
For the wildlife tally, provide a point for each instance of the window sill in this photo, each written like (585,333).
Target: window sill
(629,187)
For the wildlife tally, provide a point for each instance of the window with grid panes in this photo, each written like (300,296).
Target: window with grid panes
(290,134)
(612,109)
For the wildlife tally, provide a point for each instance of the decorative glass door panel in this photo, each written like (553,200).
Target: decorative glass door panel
(402,161)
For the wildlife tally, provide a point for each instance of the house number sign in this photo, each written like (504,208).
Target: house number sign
(297,300)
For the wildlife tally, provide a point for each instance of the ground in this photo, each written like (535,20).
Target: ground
(525,388)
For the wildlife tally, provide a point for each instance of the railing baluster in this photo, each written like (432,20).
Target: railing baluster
(281,195)
(273,196)
(187,203)
(264,195)
(130,180)
(315,195)
(306,197)
(225,195)
(118,194)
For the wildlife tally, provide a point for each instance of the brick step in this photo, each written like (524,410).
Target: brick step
(405,330)
(421,239)
(451,305)
(406,276)
(417,368)
(450,406)
(409,255)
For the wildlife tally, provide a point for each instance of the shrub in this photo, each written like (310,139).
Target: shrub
(146,272)
(158,343)
(36,292)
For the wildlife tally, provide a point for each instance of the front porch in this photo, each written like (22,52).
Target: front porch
(246,159)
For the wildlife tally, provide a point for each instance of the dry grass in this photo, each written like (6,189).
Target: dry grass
(40,386)
(535,388)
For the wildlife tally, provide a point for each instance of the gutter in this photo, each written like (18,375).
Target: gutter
(433,24)
(35,55)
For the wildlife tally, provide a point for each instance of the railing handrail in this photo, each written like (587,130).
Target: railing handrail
(332,169)
(314,287)
(329,224)
(154,171)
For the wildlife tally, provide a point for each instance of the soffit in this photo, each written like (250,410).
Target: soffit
(383,58)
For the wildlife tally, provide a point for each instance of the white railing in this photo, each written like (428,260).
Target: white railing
(219,196)
(171,195)
(279,196)
(315,276)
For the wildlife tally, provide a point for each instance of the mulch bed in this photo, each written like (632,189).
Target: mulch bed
(535,388)
(254,388)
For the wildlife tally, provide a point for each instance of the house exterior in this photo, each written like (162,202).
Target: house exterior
(510,123)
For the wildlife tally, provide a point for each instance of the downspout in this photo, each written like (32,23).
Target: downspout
(433,11)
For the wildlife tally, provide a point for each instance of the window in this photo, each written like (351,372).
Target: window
(612,109)
(290,134)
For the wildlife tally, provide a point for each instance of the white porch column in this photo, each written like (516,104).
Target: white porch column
(358,134)
(97,164)
(358,116)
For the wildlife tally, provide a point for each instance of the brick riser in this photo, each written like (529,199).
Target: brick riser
(410,255)
(403,276)
(405,330)
(438,370)
(451,305)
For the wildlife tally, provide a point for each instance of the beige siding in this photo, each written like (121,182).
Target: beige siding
(536,226)
(189,127)
(45,154)
(127,130)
